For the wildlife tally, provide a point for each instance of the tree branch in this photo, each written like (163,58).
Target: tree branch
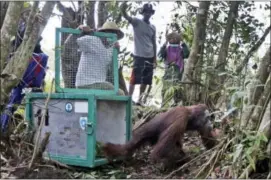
(253,50)
(64,10)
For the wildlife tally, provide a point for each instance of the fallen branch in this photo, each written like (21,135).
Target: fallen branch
(214,157)
(43,145)
(60,164)
(193,160)
(246,172)
(147,117)
(35,153)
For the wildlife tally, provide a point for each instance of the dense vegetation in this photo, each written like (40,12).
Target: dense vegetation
(224,71)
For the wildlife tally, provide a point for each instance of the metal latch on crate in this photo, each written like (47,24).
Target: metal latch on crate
(88,127)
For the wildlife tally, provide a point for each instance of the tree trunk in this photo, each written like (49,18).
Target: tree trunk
(264,68)
(122,84)
(3,8)
(91,14)
(261,77)
(223,51)
(197,49)
(17,65)
(69,19)
(257,87)
(102,13)
(259,109)
(265,123)
(9,29)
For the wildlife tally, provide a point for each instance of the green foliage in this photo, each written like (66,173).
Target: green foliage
(48,86)
(170,90)
(248,149)
(27,5)
(156,80)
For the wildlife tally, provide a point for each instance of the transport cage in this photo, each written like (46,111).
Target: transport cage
(101,64)
(78,124)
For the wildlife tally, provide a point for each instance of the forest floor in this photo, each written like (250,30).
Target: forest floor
(138,167)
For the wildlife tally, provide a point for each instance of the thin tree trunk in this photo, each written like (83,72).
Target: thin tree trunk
(16,67)
(69,54)
(210,48)
(122,84)
(102,13)
(197,48)
(91,14)
(264,99)
(265,122)
(257,87)
(223,51)
(68,19)
(261,77)
(3,8)
(9,29)
(264,67)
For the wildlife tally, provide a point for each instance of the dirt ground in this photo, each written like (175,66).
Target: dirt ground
(137,167)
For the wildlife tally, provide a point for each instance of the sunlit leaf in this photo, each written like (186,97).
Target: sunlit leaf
(263,138)
(222,73)
(238,152)
(26,4)
(251,161)
(128,176)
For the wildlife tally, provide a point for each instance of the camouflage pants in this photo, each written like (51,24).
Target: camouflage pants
(171,78)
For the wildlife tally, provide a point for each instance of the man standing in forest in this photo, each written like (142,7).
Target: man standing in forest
(144,48)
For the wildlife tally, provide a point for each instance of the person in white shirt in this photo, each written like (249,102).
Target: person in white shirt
(96,57)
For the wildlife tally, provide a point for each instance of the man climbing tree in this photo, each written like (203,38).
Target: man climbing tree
(144,48)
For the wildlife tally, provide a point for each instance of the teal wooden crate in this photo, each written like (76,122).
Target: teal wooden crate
(59,87)
(77,122)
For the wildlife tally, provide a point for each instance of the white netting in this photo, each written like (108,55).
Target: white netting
(86,62)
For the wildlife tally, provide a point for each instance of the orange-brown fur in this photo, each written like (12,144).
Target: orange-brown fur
(165,132)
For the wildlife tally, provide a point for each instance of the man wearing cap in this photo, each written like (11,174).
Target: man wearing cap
(144,48)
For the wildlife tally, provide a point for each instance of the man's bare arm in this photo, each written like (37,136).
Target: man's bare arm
(124,12)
